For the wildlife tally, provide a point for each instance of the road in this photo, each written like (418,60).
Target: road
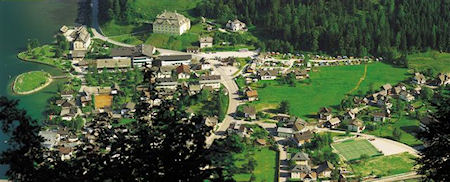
(398,177)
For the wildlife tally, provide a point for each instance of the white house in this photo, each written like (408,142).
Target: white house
(236,26)
(206,42)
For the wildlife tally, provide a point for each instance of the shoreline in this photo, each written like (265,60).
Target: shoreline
(47,83)
(34,61)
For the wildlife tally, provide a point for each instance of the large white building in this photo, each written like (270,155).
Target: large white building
(236,26)
(171,23)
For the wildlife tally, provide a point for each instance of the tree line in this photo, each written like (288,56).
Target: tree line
(121,11)
(340,27)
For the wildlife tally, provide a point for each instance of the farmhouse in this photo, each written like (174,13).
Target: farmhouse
(183,71)
(268,74)
(300,158)
(236,128)
(171,23)
(356,125)
(379,117)
(443,79)
(419,78)
(252,95)
(249,112)
(284,132)
(324,170)
(236,26)
(301,74)
(303,173)
(212,81)
(301,138)
(325,113)
(332,123)
(206,42)
(404,95)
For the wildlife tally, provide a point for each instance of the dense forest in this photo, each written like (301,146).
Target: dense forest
(340,27)
(119,10)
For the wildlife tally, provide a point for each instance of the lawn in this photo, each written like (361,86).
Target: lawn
(265,169)
(45,55)
(353,149)
(385,165)
(406,126)
(440,62)
(31,80)
(326,87)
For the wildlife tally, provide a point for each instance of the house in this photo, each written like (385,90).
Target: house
(300,125)
(404,95)
(236,128)
(356,125)
(301,138)
(211,121)
(396,90)
(325,113)
(303,173)
(379,116)
(119,63)
(183,71)
(167,60)
(249,112)
(252,95)
(65,152)
(442,79)
(236,26)
(206,42)
(284,132)
(349,115)
(268,74)
(325,169)
(419,78)
(301,74)
(193,49)
(212,81)
(128,109)
(332,123)
(166,84)
(67,94)
(51,138)
(80,38)
(387,88)
(171,23)
(68,113)
(142,50)
(300,158)
(165,72)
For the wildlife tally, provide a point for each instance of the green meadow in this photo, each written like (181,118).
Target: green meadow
(440,62)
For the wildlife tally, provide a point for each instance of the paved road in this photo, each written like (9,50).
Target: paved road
(398,177)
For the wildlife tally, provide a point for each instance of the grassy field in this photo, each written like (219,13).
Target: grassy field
(407,128)
(353,149)
(431,59)
(326,87)
(265,169)
(45,55)
(31,80)
(385,165)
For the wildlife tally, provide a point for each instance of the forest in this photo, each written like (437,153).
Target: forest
(340,27)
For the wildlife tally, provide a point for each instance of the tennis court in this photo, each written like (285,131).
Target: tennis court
(353,149)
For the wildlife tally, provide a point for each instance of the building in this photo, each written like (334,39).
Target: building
(236,26)
(285,132)
(300,158)
(252,95)
(249,112)
(211,121)
(212,81)
(325,169)
(300,74)
(325,113)
(303,173)
(174,60)
(171,23)
(119,63)
(356,125)
(404,95)
(332,123)
(268,74)
(301,138)
(183,72)
(51,138)
(193,50)
(206,42)
(442,79)
(236,128)
(79,38)
(419,78)
(379,117)
(140,55)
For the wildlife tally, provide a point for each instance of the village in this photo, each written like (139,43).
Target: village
(109,80)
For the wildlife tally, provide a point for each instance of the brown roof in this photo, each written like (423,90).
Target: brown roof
(261,141)
(113,63)
(183,69)
(252,93)
(65,150)
(357,122)
(250,110)
(206,40)
(175,57)
(303,136)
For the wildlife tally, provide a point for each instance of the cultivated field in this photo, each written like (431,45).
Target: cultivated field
(440,62)
(326,87)
(353,149)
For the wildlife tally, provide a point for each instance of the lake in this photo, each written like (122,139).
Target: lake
(20,21)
